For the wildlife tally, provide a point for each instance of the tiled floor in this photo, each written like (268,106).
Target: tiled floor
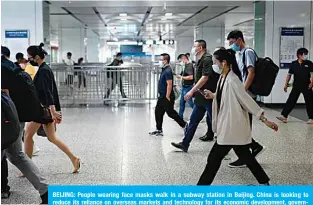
(115,148)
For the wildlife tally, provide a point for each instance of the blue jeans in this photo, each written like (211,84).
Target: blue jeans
(197,115)
(183,102)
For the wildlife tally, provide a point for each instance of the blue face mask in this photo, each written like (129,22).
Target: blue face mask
(235,47)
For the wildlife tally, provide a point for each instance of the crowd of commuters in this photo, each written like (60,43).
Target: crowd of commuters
(217,86)
(46,101)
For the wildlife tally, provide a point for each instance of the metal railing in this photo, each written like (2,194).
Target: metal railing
(98,84)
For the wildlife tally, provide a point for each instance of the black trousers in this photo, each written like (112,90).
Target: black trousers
(4,174)
(293,98)
(217,154)
(254,145)
(116,79)
(164,106)
(81,79)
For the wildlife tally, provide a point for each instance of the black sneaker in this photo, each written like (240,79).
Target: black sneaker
(156,133)
(44,198)
(206,138)
(180,146)
(5,192)
(257,151)
(237,164)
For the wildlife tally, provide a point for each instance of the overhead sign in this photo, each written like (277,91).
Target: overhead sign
(291,39)
(17,41)
(16,34)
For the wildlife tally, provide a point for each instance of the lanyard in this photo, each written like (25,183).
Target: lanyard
(219,92)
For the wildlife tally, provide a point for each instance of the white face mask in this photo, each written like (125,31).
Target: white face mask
(193,51)
(182,63)
(216,69)
(161,63)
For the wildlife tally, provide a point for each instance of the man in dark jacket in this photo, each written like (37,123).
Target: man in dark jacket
(15,152)
(115,77)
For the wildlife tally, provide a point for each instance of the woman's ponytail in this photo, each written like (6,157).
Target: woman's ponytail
(233,62)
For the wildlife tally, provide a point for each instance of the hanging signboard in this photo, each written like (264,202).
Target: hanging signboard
(17,41)
(291,39)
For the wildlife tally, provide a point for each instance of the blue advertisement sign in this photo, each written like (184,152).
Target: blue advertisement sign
(16,34)
(292,31)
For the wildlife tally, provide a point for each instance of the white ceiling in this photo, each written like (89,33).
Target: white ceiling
(73,14)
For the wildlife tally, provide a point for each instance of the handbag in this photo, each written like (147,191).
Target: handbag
(46,119)
(41,132)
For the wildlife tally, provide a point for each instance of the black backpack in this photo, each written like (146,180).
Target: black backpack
(10,125)
(24,95)
(265,75)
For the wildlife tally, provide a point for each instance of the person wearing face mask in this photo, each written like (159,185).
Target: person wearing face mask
(189,58)
(15,152)
(115,77)
(247,69)
(24,65)
(302,71)
(187,77)
(48,96)
(206,78)
(166,97)
(231,121)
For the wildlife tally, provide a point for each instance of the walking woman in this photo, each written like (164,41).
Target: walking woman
(48,96)
(230,119)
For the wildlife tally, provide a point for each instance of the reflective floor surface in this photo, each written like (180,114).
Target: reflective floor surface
(115,149)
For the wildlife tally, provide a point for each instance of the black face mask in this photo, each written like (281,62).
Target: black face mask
(32,62)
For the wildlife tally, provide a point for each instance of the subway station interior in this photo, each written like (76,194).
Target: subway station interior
(107,124)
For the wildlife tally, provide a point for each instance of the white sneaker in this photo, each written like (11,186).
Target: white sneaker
(36,150)
(310,122)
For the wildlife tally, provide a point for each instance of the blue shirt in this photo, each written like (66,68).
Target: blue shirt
(166,75)
(250,60)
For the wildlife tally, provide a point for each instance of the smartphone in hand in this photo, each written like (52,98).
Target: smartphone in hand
(201,92)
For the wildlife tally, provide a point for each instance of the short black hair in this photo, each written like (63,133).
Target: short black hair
(202,43)
(80,60)
(69,54)
(5,51)
(187,54)
(302,51)
(166,57)
(181,55)
(118,54)
(235,34)
(19,56)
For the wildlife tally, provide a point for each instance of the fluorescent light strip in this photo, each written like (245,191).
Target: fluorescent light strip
(123,14)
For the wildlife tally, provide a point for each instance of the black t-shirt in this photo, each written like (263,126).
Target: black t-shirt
(188,70)
(301,73)
(204,68)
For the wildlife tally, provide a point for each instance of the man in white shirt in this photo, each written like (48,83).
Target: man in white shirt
(237,43)
(70,71)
